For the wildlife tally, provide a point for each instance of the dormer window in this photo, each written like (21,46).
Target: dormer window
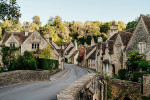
(12,44)
(142,47)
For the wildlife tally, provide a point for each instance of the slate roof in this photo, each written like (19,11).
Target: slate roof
(20,36)
(92,56)
(114,37)
(89,49)
(110,46)
(146,21)
(74,53)
(68,51)
(125,37)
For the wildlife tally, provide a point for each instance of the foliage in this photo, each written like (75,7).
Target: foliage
(36,20)
(25,62)
(131,25)
(9,9)
(143,65)
(115,76)
(133,60)
(8,54)
(109,90)
(122,74)
(47,53)
(47,64)
(137,76)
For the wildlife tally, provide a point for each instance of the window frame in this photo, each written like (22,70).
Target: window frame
(142,47)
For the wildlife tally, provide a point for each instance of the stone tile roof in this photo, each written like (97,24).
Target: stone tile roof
(20,36)
(110,46)
(114,37)
(103,47)
(92,56)
(125,37)
(74,53)
(68,51)
(146,21)
(89,49)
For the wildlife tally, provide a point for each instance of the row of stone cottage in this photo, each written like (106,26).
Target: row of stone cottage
(110,56)
(107,57)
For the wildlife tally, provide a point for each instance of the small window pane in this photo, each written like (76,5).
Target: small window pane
(32,46)
(35,46)
(38,46)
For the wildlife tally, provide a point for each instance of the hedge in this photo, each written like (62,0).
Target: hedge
(47,64)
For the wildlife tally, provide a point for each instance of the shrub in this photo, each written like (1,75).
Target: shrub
(136,76)
(47,64)
(122,74)
(115,76)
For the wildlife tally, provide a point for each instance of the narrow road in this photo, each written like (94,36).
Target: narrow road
(43,90)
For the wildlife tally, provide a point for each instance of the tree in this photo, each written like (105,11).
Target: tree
(36,20)
(15,26)
(9,9)
(47,53)
(131,25)
(133,60)
(105,28)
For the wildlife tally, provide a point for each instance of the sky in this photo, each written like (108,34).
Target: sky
(83,10)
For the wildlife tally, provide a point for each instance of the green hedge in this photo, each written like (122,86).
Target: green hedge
(47,64)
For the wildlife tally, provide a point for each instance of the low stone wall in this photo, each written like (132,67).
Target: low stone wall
(146,85)
(13,77)
(72,91)
(121,89)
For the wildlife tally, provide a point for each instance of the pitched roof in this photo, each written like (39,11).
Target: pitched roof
(89,49)
(110,46)
(68,51)
(114,37)
(125,37)
(146,21)
(20,36)
(92,56)
(74,53)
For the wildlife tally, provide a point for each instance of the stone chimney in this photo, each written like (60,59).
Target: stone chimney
(113,29)
(48,37)
(27,29)
(76,46)
(92,42)
(100,39)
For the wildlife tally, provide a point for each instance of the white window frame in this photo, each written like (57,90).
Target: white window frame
(12,44)
(142,47)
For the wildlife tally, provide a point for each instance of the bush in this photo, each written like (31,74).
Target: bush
(25,63)
(136,76)
(47,64)
(115,76)
(122,74)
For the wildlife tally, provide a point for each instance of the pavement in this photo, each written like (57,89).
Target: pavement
(46,90)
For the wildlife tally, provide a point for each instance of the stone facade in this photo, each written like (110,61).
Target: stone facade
(121,89)
(14,77)
(146,85)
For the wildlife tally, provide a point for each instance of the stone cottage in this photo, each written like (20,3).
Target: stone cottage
(30,41)
(119,45)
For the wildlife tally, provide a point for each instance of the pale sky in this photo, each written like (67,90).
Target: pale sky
(84,10)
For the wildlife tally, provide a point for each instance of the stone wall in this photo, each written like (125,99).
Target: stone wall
(146,85)
(13,77)
(121,89)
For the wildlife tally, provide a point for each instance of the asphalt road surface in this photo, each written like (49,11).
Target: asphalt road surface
(46,90)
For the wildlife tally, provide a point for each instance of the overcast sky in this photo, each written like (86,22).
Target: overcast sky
(84,10)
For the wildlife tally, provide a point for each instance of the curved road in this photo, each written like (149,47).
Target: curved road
(46,90)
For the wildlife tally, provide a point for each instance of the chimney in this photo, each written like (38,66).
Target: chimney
(92,42)
(100,39)
(27,29)
(47,37)
(76,46)
(113,29)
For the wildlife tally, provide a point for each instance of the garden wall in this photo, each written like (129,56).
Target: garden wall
(13,77)
(121,89)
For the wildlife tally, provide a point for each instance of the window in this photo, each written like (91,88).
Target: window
(35,46)
(142,47)
(12,44)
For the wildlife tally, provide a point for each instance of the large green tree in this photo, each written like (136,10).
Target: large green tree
(9,9)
